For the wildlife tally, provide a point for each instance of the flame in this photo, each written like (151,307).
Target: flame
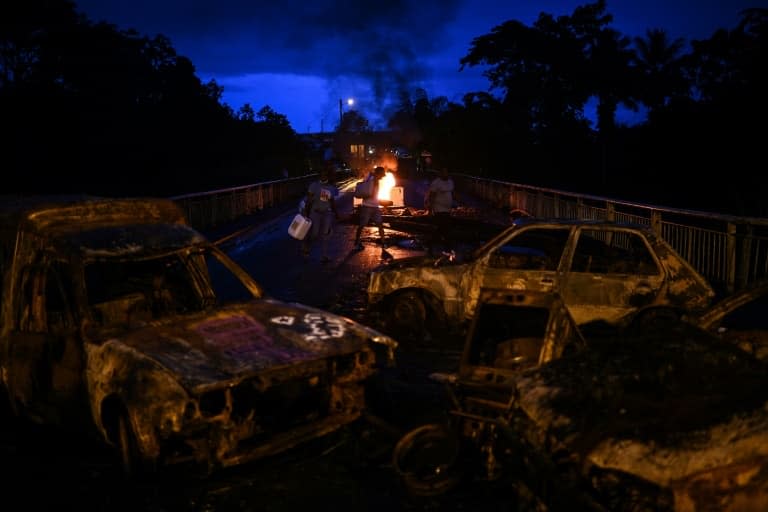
(385,186)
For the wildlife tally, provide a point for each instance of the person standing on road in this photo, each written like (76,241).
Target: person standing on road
(370,211)
(320,207)
(439,204)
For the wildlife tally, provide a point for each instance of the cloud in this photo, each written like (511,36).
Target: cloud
(321,51)
(332,38)
(384,43)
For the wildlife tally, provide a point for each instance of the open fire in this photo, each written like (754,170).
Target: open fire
(388,191)
(386,184)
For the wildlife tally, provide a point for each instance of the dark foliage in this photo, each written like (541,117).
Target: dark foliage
(704,112)
(89,108)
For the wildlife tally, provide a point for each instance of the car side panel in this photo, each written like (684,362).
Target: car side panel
(611,273)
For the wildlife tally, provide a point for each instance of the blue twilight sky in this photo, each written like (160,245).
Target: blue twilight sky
(302,57)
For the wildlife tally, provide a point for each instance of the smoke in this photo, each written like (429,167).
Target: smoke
(383,44)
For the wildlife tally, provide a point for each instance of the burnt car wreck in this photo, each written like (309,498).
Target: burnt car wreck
(510,332)
(675,422)
(121,320)
(608,273)
(671,420)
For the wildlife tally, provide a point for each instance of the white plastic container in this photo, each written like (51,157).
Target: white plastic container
(299,226)
(397,196)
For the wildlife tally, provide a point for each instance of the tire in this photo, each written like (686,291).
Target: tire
(408,313)
(427,460)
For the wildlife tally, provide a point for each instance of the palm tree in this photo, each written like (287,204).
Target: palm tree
(659,63)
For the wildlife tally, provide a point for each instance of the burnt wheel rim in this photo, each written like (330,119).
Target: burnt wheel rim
(426,460)
(408,311)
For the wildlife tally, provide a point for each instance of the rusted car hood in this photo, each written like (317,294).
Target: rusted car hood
(663,409)
(244,339)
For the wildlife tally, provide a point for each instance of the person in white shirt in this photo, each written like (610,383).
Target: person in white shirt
(439,204)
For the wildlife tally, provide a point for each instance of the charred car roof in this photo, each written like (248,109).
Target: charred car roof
(72,213)
(101,227)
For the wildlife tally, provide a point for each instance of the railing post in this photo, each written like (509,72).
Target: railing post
(214,207)
(539,204)
(610,212)
(746,253)
(656,222)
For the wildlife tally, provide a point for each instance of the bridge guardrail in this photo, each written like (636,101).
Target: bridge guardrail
(212,208)
(730,251)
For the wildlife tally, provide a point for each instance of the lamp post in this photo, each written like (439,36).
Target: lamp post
(350,102)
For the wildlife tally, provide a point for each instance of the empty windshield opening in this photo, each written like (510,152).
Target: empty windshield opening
(158,286)
(507,335)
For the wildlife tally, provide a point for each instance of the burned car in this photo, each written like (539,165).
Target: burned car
(606,272)
(669,422)
(510,332)
(675,420)
(119,319)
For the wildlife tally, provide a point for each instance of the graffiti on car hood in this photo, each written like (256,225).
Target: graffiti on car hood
(243,339)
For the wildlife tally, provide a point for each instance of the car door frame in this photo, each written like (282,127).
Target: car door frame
(612,295)
(36,355)
(489,275)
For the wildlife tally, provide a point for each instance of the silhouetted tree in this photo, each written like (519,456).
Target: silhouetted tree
(660,65)
(90,108)
(246,113)
(403,124)
(353,121)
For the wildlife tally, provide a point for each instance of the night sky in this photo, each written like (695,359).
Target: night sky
(301,57)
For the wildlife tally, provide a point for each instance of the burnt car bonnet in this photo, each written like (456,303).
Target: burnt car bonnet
(243,339)
(417,262)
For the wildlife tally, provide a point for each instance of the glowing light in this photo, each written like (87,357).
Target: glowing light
(385,186)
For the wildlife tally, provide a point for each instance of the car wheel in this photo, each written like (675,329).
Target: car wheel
(427,460)
(408,313)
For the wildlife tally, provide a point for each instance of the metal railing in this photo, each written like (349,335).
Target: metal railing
(209,209)
(730,251)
